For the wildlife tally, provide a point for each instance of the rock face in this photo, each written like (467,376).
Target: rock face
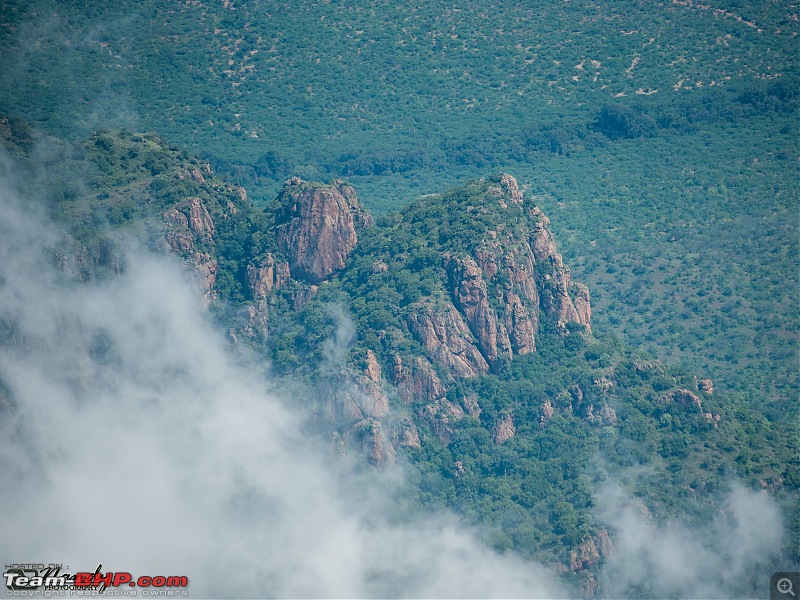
(470,295)
(317,228)
(447,339)
(188,224)
(685,398)
(706,385)
(417,381)
(266,275)
(590,551)
(505,429)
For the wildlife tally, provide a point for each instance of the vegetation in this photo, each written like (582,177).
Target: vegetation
(660,139)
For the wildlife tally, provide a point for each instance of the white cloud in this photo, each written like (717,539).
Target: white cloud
(140,443)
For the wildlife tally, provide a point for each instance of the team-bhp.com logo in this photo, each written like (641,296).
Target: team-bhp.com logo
(48,580)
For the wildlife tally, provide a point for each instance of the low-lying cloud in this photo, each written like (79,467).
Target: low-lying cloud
(726,557)
(136,440)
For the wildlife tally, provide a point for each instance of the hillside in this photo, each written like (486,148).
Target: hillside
(660,137)
(449,337)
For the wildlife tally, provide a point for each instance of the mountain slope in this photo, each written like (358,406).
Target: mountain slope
(449,337)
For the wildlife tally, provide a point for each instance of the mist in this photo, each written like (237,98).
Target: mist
(131,436)
(725,557)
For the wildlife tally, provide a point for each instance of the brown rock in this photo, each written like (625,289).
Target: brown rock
(685,398)
(266,276)
(542,242)
(372,399)
(418,382)
(205,268)
(406,434)
(441,415)
(174,218)
(469,292)
(374,442)
(200,221)
(582,305)
(505,429)
(317,228)
(447,339)
(198,176)
(706,385)
(470,404)
(590,551)
(520,326)
(508,191)
(373,369)
(547,413)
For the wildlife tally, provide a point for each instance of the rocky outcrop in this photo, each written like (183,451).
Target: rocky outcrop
(468,288)
(200,221)
(590,551)
(519,325)
(373,401)
(554,279)
(505,429)
(507,191)
(369,435)
(706,386)
(508,267)
(404,434)
(547,412)
(416,381)
(447,339)
(582,304)
(205,268)
(317,228)
(685,399)
(266,275)
(441,415)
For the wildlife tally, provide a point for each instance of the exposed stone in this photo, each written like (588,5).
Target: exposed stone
(200,221)
(519,324)
(469,293)
(369,433)
(542,242)
(257,325)
(470,404)
(510,188)
(198,176)
(608,415)
(447,339)
(685,398)
(508,191)
(418,382)
(441,415)
(547,413)
(590,551)
(373,369)
(176,218)
(317,228)
(205,268)
(180,242)
(372,399)
(706,385)
(266,276)
(505,429)
(582,304)
(406,434)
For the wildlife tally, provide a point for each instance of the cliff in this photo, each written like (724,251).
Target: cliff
(316,227)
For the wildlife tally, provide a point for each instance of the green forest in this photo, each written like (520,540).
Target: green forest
(659,139)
